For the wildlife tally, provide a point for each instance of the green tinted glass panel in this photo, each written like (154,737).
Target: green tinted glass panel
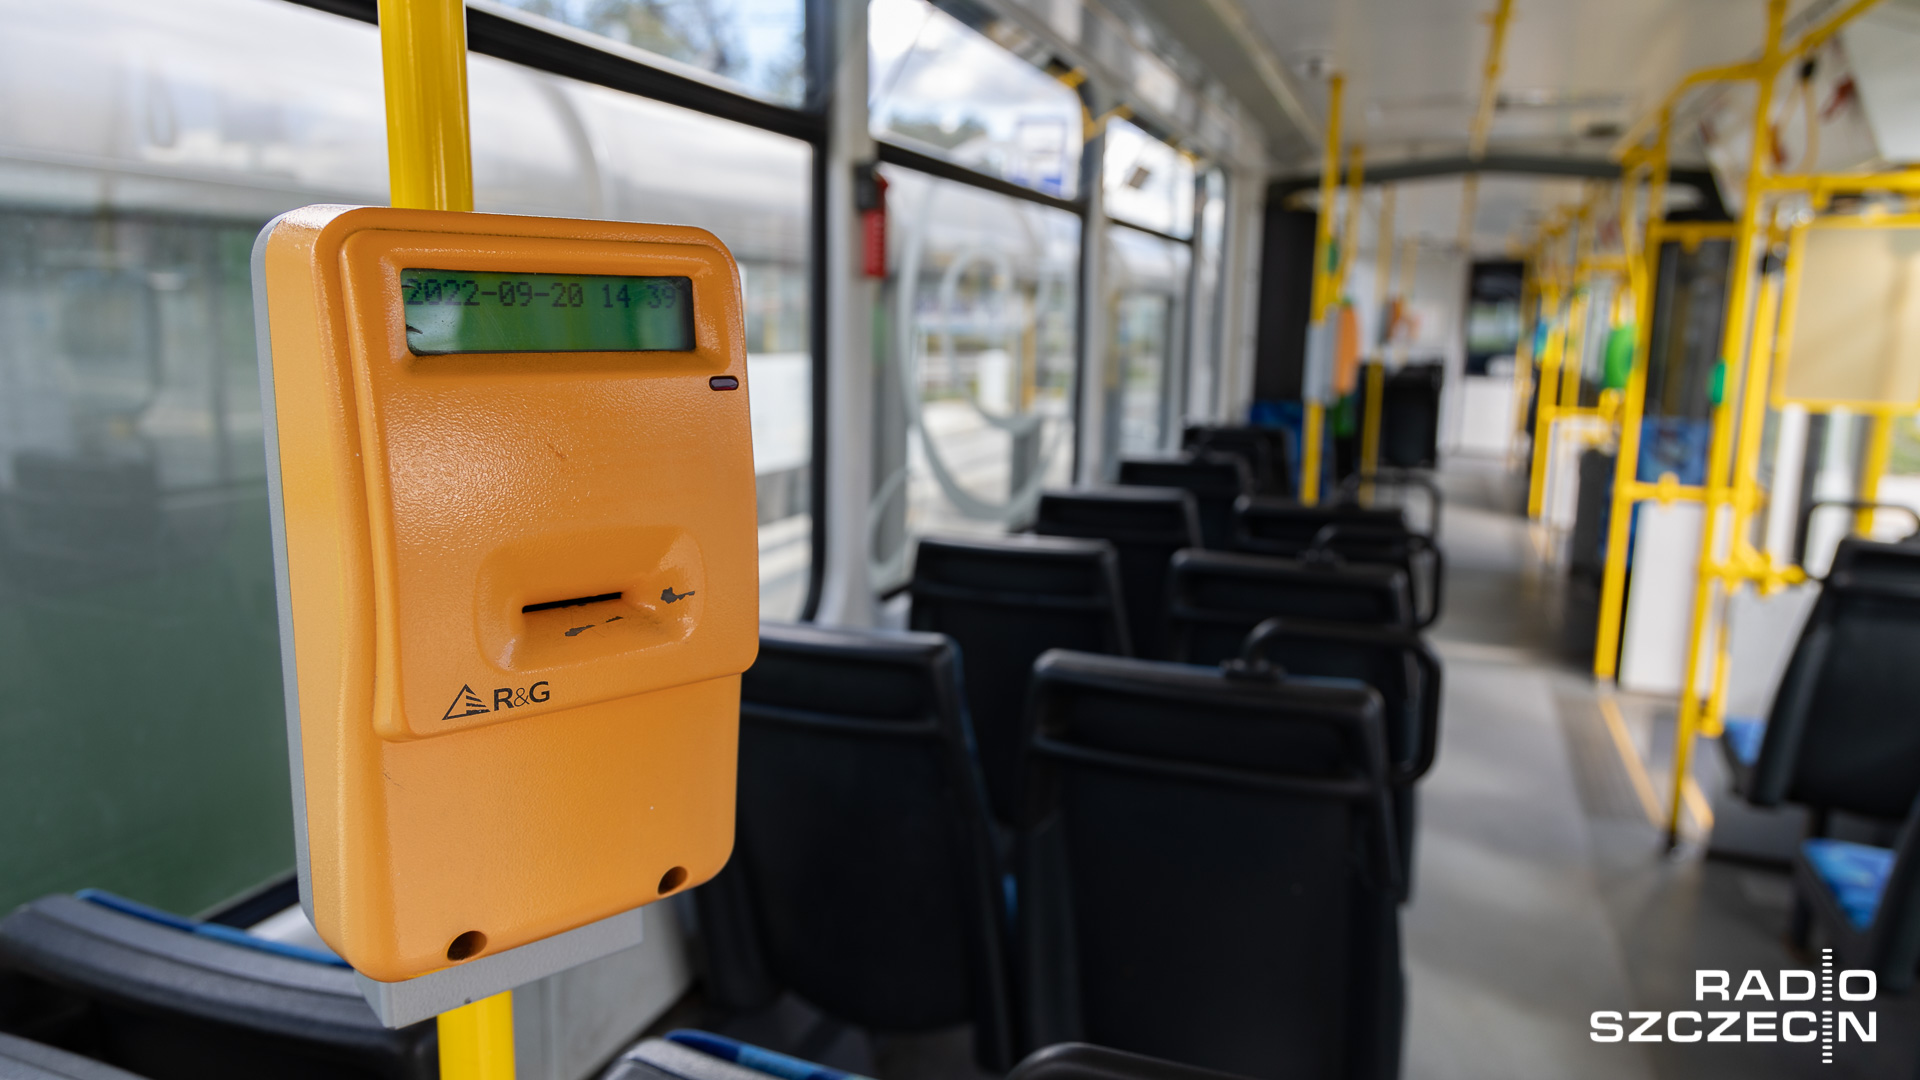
(464,311)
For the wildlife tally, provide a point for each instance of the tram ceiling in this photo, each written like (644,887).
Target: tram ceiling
(1574,73)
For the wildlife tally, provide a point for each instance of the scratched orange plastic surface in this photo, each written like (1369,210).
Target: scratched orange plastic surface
(470,766)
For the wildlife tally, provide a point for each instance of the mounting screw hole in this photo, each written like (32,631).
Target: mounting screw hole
(673,879)
(467,945)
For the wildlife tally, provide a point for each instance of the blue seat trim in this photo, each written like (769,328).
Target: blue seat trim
(215,931)
(756,1058)
(1856,874)
(1744,734)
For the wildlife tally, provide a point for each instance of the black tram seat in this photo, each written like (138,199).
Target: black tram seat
(1084,1061)
(1839,735)
(864,876)
(1875,562)
(158,995)
(1410,417)
(1207,869)
(22,1059)
(1358,534)
(1866,900)
(1216,480)
(1217,598)
(1146,526)
(1004,602)
(1268,453)
(1395,662)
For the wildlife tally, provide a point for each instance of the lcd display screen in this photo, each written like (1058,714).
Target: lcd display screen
(470,311)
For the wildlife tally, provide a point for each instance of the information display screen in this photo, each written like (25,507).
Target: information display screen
(471,311)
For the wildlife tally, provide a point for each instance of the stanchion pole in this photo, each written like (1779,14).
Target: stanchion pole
(423,54)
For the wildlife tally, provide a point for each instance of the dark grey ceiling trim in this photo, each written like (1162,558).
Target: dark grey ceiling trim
(1511,164)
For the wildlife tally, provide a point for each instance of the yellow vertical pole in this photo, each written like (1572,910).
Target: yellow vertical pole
(1483,119)
(1879,456)
(476,1041)
(1579,310)
(1523,356)
(423,59)
(423,49)
(1642,265)
(1733,347)
(1745,498)
(1573,360)
(1323,292)
(1409,274)
(1376,367)
(1351,213)
(1546,396)
(1350,235)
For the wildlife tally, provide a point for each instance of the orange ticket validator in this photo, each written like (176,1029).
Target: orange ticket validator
(514,520)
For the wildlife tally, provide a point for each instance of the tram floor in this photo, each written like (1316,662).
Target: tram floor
(1542,890)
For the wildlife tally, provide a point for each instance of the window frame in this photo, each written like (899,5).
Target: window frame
(517,42)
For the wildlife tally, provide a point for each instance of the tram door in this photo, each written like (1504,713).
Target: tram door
(1689,310)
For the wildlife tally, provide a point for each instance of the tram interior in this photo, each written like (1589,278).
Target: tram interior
(1296,538)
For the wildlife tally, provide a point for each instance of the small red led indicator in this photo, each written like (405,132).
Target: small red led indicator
(724,382)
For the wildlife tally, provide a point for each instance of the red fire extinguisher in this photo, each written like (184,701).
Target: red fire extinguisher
(870,197)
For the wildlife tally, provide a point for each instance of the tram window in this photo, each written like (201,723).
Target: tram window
(750,188)
(1146,278)
(975,398)
(1689,307)
(141,748)
(137,622)
(760,45)
(946,89)
(1148,183)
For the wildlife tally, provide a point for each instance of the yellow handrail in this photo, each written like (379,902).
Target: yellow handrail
(1733,346)
(1626,462)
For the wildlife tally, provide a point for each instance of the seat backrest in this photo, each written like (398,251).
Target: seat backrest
(1216,480)
(1397,663)
(1869,562)
(1357,534)
(165,1002)
(1146,526)
(1216,598)
(1286,528)
(1893,941)
(863,846)
(1267,452)
(1840,733)
(1208,871)
(1004,602)
(1410,417)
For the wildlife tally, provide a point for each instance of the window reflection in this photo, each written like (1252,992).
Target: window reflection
(975,401)
(1208,298)
(1147,284)
(760,44)
(1148,183)
(943,88)
(144,147)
